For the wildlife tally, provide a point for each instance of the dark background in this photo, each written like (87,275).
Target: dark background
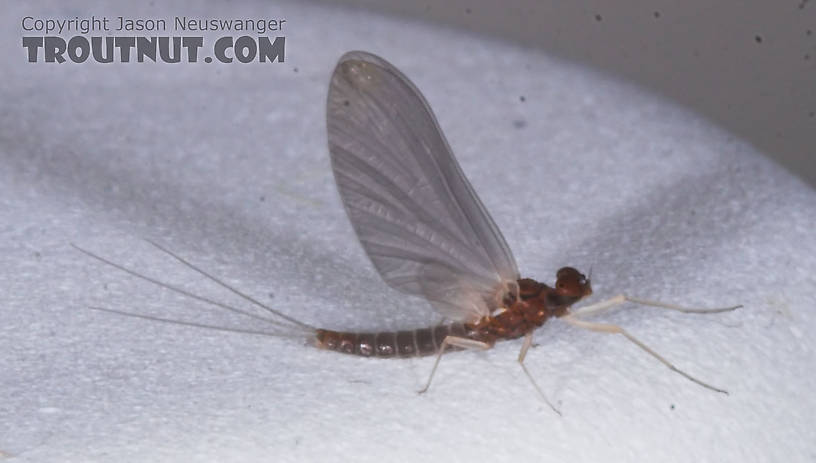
(750,66)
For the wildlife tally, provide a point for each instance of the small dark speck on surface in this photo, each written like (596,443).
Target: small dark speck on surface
(295,69)
(346,103)
(758,38)
(811,114)
(807,56)
(657,14)
(522,98)
(262,198)
(809,32)
(519,123)
(672,406)
(468,10)
(598,18)
(271,295)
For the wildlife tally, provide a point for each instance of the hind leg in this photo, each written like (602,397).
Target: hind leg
(455,341)
(528,341)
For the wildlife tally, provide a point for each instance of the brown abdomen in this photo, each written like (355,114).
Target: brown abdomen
(425,341)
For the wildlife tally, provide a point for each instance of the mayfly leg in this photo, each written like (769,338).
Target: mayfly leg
(622,298)
(455,341)
(528,341)
(573,319)
(615,329)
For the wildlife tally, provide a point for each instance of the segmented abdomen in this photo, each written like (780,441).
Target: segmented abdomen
(425,341)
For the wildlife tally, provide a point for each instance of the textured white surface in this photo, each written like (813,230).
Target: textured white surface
(228,166)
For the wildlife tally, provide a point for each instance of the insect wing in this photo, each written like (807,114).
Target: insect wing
(415,213)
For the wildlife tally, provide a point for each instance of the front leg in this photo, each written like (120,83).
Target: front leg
(615,329)
(621,298)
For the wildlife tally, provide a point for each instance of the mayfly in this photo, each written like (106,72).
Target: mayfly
(426,232)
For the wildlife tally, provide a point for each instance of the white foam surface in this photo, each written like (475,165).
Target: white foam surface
(227,165)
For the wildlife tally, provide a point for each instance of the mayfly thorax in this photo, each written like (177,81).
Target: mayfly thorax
(426,232)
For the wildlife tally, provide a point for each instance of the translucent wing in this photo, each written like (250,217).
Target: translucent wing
(415,213)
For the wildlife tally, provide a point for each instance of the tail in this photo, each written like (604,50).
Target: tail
(280,324)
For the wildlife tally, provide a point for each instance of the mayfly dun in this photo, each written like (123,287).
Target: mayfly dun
(426,232)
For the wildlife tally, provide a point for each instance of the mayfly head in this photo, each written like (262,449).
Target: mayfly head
(572,284)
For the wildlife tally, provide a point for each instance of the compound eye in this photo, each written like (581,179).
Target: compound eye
(571,282)
(567,272)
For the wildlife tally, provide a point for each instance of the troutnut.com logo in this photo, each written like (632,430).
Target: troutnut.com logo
(79,40)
